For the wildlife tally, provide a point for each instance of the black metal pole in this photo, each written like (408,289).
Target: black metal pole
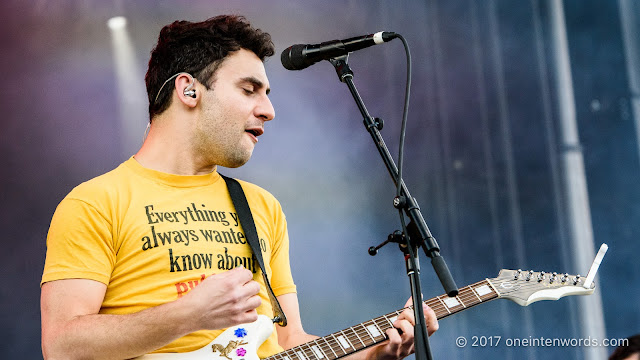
(419,234)
(425,239)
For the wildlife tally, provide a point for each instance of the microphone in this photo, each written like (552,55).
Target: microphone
(301,56)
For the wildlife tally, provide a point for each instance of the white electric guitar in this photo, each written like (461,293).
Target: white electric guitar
(524,287)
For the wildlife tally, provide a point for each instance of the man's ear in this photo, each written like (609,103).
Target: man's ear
(185,86)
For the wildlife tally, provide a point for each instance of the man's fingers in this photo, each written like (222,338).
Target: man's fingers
(432,320)
(239,281)
(395,341)
(240,274)
(408,315)
(405,327)
(401,345)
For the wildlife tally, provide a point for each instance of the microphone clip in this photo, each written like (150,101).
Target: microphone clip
(342,67)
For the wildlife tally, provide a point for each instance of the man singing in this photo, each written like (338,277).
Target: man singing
(150,257)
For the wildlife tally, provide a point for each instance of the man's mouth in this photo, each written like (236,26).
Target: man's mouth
(255,132)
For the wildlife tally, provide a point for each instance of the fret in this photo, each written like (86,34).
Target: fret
(374,330)
(436,307)
(366,335)
(300,355)
(339,344)
(475,293)
(451,302)
(492,287)
(297,354)
(393,318)
(319,353)
(463,305)
(443,304)
(443,312)
(388,321)
(471,296)
(289,355)
(329,346)
(363,345)
(469,299)
(344,341)
(309,353)
(383,324)
(353,340)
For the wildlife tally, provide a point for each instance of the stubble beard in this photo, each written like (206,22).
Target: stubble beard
(223,151)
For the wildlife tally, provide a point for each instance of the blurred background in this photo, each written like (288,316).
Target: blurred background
(522,151)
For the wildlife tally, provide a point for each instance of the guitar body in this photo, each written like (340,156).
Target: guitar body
(235,343)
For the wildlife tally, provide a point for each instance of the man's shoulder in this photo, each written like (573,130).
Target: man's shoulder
(253,191)
(100,185)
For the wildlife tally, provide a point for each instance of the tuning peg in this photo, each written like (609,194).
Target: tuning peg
(553,277)
(529,275)
(576,280)
(517,274)
(564,278)
(541,276)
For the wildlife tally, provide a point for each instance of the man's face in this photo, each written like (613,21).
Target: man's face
(234,111)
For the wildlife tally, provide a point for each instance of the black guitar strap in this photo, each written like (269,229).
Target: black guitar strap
(246,219)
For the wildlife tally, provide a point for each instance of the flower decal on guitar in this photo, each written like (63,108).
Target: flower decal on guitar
(240,332)
(233,344)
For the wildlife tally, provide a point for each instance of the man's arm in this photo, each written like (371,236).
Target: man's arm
(397,347)
(72,328)
(293,334)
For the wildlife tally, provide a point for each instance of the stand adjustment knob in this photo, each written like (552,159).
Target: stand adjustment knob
(399,202)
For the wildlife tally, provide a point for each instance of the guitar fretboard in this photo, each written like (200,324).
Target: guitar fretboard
(372,332)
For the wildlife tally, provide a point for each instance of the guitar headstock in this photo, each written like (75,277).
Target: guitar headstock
(526,287)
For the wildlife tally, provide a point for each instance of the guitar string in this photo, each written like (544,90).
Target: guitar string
(355,333)
(360,331)
(467,296)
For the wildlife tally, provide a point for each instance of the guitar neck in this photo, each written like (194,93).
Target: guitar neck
(372,332)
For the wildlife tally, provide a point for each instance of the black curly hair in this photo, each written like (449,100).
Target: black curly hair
(199,48)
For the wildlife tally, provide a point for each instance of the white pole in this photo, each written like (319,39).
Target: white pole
(590,315)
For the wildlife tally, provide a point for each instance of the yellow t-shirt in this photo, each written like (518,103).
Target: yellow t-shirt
(151,237)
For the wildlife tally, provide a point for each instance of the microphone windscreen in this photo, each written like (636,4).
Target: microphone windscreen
(292,58)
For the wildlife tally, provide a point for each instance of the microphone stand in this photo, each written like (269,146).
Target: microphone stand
(418,234)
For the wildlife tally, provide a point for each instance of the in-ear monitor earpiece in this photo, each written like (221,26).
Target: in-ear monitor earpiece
(191,93)
(188,91)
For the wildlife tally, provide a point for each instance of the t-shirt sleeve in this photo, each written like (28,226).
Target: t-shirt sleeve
(79,244)
(282,280)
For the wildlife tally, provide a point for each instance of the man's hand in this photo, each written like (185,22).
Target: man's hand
(72,327)
(401,345)
(224,300)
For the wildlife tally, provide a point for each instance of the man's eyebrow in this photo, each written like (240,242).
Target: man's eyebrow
(255,82)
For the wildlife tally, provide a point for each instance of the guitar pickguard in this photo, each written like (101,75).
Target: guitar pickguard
(236,343)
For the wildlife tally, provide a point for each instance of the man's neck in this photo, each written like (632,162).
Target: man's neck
(167,149)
